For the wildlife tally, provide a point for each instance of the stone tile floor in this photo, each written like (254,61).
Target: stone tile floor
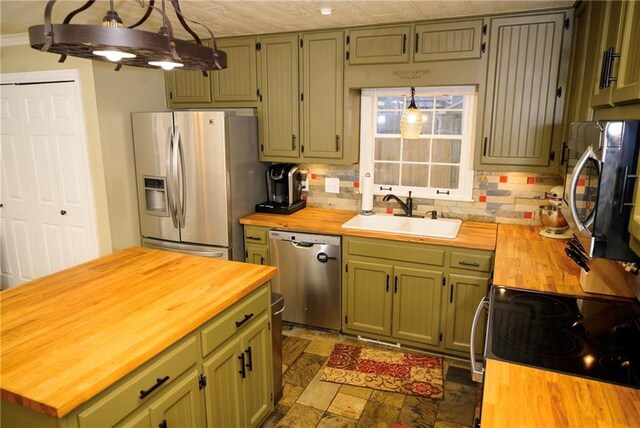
(309,402)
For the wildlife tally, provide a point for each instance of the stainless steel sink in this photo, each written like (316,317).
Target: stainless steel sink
(439,228)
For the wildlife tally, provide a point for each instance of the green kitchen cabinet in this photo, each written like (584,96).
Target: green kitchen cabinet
(369,297)
(180,405)
(602,95)
(186,88)
(523,92)
(238,391)
(278,85)
(256,248)
(465,293)
(417,304)
(239,81)
(380,45)
(445,41)
(322,98)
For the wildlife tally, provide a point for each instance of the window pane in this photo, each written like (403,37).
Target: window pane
(386,173)
(450,101)
(421,102)
(427,123)
(387,149)
(415,175)
(448,123)
(394,103)
(446,151)
(444,176)
(415,150)
(388,122)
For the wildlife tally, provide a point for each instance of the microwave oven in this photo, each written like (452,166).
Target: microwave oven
(601,160)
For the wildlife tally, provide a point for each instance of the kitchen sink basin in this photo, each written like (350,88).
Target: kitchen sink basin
(439,228)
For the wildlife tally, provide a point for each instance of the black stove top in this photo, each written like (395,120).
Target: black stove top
(593,338)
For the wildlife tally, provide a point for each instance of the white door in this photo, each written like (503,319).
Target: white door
(47,212)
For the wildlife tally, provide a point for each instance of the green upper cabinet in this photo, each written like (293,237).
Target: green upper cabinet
(465,293)
(278,84)
(322,100)
(522,91)
(447,41)
(386,45)
(369,297)
(239,81)
(416,304)
(602,96)
(627,88)
(185,88)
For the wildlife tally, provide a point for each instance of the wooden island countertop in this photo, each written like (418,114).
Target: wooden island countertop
(70,335)
(476,235)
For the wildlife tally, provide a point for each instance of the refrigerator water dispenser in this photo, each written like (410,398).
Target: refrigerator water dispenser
(155,193)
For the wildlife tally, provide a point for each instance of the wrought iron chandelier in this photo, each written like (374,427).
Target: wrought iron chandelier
(113,42)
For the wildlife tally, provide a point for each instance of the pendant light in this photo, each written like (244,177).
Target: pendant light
(411,120)
(112,41)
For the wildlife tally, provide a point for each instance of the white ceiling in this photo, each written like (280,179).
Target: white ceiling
(241,17)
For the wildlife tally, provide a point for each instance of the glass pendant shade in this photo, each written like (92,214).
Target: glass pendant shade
(411,120)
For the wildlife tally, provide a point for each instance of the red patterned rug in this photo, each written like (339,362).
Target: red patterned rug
(386,370)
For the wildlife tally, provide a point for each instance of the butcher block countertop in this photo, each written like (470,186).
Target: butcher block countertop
(68,336)
(519,396)
(480,236)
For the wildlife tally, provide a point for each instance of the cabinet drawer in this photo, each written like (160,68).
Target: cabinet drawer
(124,399)
(393,250)
(255,235)
(234,319)
(470,261)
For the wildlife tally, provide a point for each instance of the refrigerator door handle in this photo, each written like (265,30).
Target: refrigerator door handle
(170,194)
(183,180)
(175,178)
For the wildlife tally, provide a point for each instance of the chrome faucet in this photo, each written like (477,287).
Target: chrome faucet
(406,207)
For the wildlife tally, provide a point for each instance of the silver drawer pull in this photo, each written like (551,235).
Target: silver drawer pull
(463,263)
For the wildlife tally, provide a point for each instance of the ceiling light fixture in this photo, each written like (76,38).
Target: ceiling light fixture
(326,11)
(411,120)
(111,41)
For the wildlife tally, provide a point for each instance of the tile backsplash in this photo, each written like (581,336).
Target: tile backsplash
(501,197)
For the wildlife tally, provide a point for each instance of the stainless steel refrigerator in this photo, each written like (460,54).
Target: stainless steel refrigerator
(197,173)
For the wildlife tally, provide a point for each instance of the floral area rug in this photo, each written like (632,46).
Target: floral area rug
(386,370)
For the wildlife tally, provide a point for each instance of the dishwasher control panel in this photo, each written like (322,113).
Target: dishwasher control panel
(302,237)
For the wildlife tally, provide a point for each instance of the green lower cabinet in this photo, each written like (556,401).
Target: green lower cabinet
(180,405)
(238,391)
(465,293)
(258,255)
(140,419)
(369,297)
(417,301)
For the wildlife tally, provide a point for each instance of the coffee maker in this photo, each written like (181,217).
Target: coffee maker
(284,190)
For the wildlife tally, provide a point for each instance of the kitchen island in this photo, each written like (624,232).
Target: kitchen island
(521,396)
(75,335)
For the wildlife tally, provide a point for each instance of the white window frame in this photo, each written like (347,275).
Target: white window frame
(368,134)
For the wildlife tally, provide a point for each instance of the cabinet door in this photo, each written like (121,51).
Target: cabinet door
(258,255)
(188,87)
(379,45)
(256,344)
(627,87)
(585,62)
(465,293)
(322,102)
(278,65)
(180,405)
(369,297)
(609,34)
(522,79)
(448,41)
(239,81)
(223,393)
(417,301)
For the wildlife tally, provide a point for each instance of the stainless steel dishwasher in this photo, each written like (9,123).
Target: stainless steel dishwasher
(308,277)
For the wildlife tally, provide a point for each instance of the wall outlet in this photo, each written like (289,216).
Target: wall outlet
(305,185)
(332,185)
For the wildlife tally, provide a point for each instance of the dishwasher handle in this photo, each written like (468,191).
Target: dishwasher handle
(303,244)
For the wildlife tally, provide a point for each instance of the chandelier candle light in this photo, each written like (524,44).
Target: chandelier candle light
(113,42)
(411,120)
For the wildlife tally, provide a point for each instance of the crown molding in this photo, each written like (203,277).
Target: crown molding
(14,39)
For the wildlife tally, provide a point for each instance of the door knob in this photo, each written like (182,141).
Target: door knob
(63,212)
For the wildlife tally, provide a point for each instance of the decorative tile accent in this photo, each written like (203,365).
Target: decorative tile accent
(356,184)
(482,198)
(531,180)
(528,215)
(503,178)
